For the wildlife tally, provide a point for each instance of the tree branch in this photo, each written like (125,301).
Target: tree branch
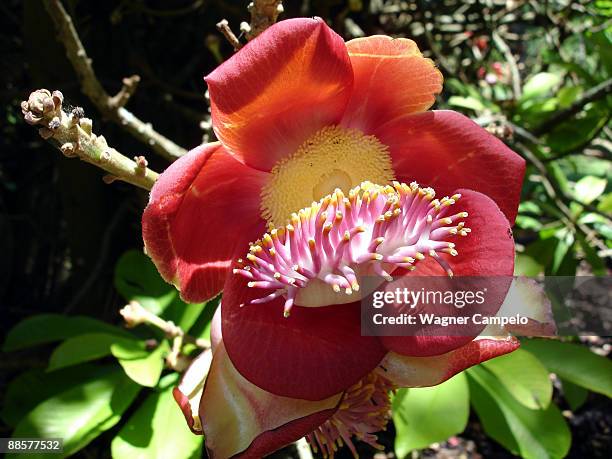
(595,93)
(72,134)
(111,107)
(264,13)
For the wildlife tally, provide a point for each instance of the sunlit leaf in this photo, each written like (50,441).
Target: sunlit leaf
(80,413)
(574,363)
(47,328)
(532,434)
(426,415)
(88,347)
(157,430)
(524,377)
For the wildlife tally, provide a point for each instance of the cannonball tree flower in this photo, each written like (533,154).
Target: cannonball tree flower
(328,146)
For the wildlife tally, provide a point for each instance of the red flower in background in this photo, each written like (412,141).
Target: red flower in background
(300,114)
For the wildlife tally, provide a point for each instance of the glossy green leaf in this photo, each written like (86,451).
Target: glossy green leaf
(605,204)
(574,363)
(143,368)
(466,102)
(539,85)
(32,387)
(524,377)
(423,416)
(137,279)
(47,328)
(81,413)
(85,348)
(589,188)
(526,266)
(157,430)
(574,395)
(532,434)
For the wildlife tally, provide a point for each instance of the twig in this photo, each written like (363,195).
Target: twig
(597,92)
(134,314)
(111,107)
(264,13)
(72,134)
(514,72)
(225,29)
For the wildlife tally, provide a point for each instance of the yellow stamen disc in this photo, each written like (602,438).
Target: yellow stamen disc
(334,157)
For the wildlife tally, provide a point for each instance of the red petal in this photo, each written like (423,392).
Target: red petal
(242,420)
(200,208)
(291,81)
(404,371)
(446,150)
(314,353)
(392,78)
(486,255)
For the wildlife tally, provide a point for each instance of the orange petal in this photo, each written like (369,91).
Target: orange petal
(285,85)
(242,420)
(200,209)
(404,371)
(392,78)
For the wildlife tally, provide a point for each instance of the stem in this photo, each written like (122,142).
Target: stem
(72,134)
(110,107)
(134,314)
(593,94)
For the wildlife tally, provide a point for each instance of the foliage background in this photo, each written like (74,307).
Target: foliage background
(511,65)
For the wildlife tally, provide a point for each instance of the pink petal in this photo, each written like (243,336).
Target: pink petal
(392,79)
(404,371)
(486,255)
(200,209)
(446,150)
(243,420)
(312,354)
(291,81)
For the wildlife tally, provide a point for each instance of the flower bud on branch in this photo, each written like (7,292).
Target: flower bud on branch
(72,134)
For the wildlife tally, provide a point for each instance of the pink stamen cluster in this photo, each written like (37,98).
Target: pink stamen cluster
(365,410)
(337,238)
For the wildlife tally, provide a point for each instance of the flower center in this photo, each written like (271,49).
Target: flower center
(332,158)
(364,411)
(315,260)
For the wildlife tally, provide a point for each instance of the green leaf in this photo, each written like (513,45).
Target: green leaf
(466,102)
(145,369)
(47,328)
(32,387)
(524,377)
(137,279)
(85,348)
(157,430)
(605,204)
(574,363)
(539,85)
(575,395)
(81,413)
(532,434)
(589,188)
(526,266)
(426,415)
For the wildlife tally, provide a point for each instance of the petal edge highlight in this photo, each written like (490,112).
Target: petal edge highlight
(180,225)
